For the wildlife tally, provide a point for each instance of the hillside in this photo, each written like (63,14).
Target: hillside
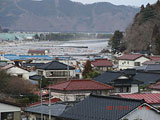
(143,34)
(64,15)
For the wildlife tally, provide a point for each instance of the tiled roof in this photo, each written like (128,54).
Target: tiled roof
(130,57)
(107,77)
(151,98)
(102,63)
(155,58)
(55,65)
(95,108)
(150,67)
(147,78)
(54,100)
(80,85)
(155,86)
(56,109)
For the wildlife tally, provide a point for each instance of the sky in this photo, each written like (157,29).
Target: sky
(120,2)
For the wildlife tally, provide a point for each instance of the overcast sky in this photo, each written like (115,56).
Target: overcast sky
(120,2)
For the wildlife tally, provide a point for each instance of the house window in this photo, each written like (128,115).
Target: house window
(80,97)
(137,64)
(57,74)
(40,72)
(20,76)
(7,116)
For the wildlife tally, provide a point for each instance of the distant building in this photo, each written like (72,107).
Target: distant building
(38,52)
(9,111)
(74,90)
(102,64)
(131,61)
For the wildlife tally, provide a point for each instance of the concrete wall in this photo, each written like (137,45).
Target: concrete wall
(134,88)
(17,115)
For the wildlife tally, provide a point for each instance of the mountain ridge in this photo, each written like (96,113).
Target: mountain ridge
(64,15)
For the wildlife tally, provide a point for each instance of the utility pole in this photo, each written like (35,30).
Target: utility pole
(41,97)
(49,103)
(68,68)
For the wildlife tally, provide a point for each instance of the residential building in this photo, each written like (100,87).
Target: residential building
(123,82)
(56,70)
(111,108)
(128,61)
(74,90)
(153,68)
(16,71)
(102,64)
(9,111)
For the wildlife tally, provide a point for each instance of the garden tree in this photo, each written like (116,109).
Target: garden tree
(157,43)
(87,68)
(17,88)
(115,41)
(92,74)
(36,36)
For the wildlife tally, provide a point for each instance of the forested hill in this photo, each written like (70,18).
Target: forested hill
(64,15)
(144,33)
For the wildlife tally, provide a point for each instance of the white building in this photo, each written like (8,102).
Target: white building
(73,90)
(16,71)
(131,61)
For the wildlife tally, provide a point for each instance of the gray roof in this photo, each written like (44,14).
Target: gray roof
(95,108)
(55,65)
(150,67)
(107,77)
(147,78)
(139,78)
(56,109)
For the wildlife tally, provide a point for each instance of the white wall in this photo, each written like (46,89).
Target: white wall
(143,115)
(18,71)
(125,64)
(155,91)
(134,88)
(9,108)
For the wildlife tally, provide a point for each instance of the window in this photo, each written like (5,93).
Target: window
(137,64)
(7,116)
(80,97)
(57,74)
(40,72)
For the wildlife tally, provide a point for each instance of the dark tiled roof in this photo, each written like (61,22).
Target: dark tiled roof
(32,64)
(95,108)
(150,67)
(147,78)
(35,77)
(108,76)
(56,109)
(126,82)
(55,65)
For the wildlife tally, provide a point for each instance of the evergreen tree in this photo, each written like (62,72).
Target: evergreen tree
(116,40)
(87,68)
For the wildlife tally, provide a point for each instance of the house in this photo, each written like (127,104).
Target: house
(56,70)
(74,90)
(150,98)
(154,88)
(37,52)
(16,71)
(96,107)
(128,61)
(102,64)
(122,81)
(9,111)
(34,112)
(127,81)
